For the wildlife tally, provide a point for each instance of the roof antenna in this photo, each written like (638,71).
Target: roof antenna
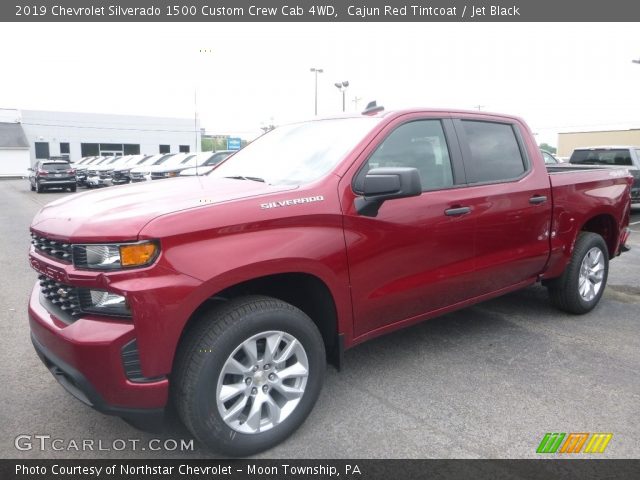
(372,108)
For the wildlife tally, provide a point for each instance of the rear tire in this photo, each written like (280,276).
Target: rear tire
(32,187)
(73,189)
(39,188)
(255,360)
(582,284)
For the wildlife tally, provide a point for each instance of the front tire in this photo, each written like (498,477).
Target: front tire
(247,374)
(582,284)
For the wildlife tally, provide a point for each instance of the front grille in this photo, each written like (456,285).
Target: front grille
(52,248)
(92,173)
(66,297)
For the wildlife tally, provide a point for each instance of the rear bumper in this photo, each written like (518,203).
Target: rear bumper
(57,182)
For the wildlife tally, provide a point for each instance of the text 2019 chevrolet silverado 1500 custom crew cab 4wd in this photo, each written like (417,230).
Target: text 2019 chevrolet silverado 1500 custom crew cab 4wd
(228,292)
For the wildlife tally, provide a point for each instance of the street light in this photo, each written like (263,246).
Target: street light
(316,71)
(342,86)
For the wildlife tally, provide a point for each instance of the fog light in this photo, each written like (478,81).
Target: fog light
(104,303)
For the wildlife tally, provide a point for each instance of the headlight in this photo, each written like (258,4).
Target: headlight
(103,303)
(114,256)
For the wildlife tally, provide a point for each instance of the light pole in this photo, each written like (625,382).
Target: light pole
(316,71)
(342,86)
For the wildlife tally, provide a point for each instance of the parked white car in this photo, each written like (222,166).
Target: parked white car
(208,164)
(142,172)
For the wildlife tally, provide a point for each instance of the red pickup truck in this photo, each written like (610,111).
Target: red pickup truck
(227,294)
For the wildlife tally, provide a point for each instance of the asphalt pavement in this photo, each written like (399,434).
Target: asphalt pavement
(485,382)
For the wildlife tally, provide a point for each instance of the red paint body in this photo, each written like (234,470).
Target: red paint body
(409,263)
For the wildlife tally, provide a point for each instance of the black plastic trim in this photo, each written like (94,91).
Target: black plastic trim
(77,385)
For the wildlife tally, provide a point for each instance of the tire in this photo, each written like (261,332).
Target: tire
(73,189)
(590,260)
(39,188)
(32,187)
(205,368)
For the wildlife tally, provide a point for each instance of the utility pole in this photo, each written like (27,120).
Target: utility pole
(356,101)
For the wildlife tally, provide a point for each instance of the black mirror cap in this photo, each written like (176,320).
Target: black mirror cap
(387,183)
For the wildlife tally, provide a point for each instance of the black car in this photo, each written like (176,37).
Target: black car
(52,174)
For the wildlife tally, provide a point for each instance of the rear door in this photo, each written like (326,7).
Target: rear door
(509,195)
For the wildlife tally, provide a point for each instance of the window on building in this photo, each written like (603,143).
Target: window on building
(89,149)
(165,148)
(421,145)
(64,148)
(42,149)
(185,148)
(131,149)
(495,153)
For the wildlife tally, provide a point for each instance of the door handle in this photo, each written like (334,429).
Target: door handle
(538,199)
(457,211)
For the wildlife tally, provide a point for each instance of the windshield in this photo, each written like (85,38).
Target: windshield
(298,153)
(601,156)
(163,159)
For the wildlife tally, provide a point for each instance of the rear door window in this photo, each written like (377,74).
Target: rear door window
(494,154)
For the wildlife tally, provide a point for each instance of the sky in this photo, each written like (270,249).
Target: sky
(238,77)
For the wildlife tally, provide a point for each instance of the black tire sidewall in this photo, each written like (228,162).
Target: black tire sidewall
(211,429)
(583,245)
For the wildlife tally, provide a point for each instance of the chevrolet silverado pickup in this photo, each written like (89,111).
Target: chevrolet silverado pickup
(227,294)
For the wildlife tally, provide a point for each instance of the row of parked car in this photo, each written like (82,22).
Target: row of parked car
(105,171)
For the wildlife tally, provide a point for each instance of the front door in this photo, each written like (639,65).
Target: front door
(417,255)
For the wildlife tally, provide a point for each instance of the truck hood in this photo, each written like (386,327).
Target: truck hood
(119,213)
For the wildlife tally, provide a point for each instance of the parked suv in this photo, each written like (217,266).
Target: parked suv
(52,174)
(612,156)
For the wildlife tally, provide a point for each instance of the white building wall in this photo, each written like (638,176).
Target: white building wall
(78,128)
(14,162)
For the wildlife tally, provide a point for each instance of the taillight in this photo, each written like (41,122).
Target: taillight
(43,172)
(71,171)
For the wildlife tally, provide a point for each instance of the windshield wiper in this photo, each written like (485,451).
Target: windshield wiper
(241,177)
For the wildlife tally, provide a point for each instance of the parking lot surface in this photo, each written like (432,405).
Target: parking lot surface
(485,382)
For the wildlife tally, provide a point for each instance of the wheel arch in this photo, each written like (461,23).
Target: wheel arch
(303,290)
(604,225)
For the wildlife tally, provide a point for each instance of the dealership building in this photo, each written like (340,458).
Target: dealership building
(29,135)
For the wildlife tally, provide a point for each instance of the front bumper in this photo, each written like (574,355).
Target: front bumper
(79,386)
(97,181)
(85,356)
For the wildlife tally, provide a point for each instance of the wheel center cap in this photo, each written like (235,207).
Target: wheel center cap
(259,378)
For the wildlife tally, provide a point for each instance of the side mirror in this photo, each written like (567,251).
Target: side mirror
(381,184)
